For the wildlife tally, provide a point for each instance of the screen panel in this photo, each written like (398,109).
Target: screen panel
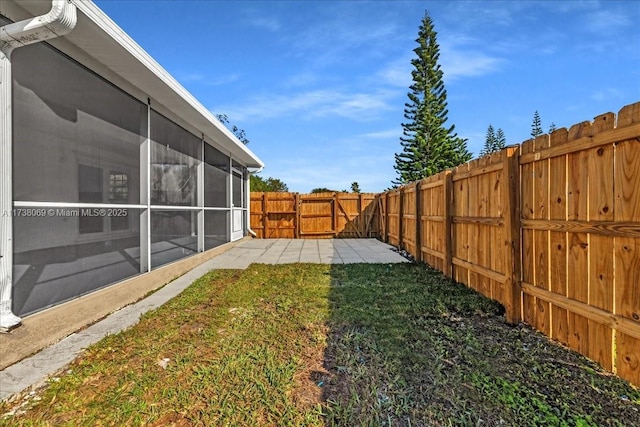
(54,261)
(66,120)
(175,156)
(216,226)
(173,236)
(216,178)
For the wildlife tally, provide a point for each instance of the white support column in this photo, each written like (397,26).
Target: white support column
(60,20)
(246,199)
(8,320)
(230,199)
(145,197)
(247,212)
(200,187)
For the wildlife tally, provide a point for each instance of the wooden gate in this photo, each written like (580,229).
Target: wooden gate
(318,216)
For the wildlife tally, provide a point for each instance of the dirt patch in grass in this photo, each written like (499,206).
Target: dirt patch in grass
(343,345)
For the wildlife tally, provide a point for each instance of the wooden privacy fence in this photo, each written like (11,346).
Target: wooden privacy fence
(321,215)
(550,228)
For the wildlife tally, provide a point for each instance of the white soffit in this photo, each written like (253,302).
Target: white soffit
(101,38)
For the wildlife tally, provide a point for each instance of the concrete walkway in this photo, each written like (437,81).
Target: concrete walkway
(33,371)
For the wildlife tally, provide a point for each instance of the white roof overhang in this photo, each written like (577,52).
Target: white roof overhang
(99,44)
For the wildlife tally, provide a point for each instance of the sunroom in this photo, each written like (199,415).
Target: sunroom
(113,168)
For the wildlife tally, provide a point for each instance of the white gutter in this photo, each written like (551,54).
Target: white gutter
(60,20)
(251,172)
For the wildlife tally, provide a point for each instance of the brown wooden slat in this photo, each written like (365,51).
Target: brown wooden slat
(478,269)
(429,185)
(434,218)
(432,252)
(604,317)
(278,212)
(458,175)
(498,222)
(613,136)
(314,233)
(604,228)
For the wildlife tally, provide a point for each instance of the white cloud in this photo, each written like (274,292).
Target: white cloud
(475,14)
(301,79)
(342,37)
(571,6)
(367,158)
(311,104)
(264,22)
(606,94)
(457,63)
(193,77)
(394,133)
(605,21)
(222,80)
(208,80)
(396,73)
(373,173)
(460,57)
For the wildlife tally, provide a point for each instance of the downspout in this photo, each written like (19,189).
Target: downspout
(60,20)
(253,233)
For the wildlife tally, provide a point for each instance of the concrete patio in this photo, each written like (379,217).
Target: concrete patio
(33,369)
(320,251)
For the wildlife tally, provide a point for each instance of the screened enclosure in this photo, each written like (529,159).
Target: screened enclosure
(105,186)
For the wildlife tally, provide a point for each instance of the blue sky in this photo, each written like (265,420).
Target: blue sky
(319,86)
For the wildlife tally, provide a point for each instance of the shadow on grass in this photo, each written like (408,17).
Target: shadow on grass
(408,347)
(344,345)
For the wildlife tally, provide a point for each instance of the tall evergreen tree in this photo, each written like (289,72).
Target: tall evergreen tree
(536,126)
(552,128)
(428,146)
(494,141)
(489,142)
(501,140)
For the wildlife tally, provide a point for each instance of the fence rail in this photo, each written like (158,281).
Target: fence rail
(549,228)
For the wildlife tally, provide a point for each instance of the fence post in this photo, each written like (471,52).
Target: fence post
(418,238)
(386,217)
(265,219)
(511,213)
(400,217)
(448,224)
(334,214)
(296,215)
(362,225)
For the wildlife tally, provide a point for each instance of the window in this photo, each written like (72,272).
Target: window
(118,187)
(119,193)
(238,199)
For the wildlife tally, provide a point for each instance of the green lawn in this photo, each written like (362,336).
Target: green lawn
(349,345)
